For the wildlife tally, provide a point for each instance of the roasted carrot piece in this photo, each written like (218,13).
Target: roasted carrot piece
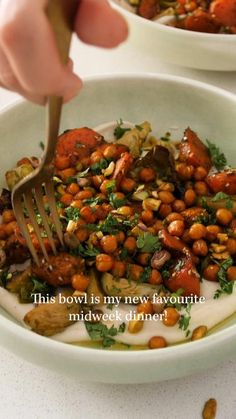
(224,11)
(223,182)
(122,166)
(172,242)
(72,141)
(193,151)
(185,276)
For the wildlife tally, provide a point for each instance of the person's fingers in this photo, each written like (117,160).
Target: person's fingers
(28,42)
(98,24)
(7,78)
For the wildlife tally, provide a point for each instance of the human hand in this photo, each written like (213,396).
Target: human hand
(29,59)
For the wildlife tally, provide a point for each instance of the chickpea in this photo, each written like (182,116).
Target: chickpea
(104,263)
(3,233)
(184,171)
(76,204)
(88,215)
(97,181)
(224,216)
(147,174)
(144,258)
(118,195)
(200,248)
(166,197)
(62,162)
(127,185)
(210,272)
(73,188)
(178,205)
(190,197)
(109,244)
(197,231)
(80,282)
(201,188)
(120,236)
(104,186)
(119,269)
(82,234)
(147,216)
(176,228)
(199,333)
(231,273)
(96,156)
(200,173)
(157,342)
(158,226)
(67,173)
(186,237)
(212,231)
(134,271)
(174,216)
(164,210)
(155,277)
(231,246)
(110,152)
(145,308)
(8,216)
(66,199)
(86,194)
(10,228)
(171,316)
(125,210)
(130,244)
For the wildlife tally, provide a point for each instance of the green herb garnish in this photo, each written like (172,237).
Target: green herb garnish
(226,287)
(97,168)
(119,131)
(148,243)
(100,331)
(72,214)
(228,200)
(41,145)
(145,275)
(85,251)
(185,319)
(217,157)
(116,202)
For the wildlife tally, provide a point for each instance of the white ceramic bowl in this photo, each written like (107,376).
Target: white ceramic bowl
(177,46)
(170,104)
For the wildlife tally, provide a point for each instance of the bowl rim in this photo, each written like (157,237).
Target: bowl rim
(116,356)
(172,29)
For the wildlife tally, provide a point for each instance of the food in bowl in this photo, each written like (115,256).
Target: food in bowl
(217,16)
(149,230)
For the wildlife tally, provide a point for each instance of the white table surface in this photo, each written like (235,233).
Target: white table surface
(31,392)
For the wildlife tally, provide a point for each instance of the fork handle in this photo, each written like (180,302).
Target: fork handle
(61,14)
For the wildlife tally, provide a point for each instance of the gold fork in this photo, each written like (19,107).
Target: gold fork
(28,192)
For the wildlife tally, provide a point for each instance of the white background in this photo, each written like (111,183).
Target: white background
(27,391)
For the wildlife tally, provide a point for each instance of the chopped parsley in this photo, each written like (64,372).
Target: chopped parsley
(41,145)
(217,157)
(209,217)
(176,296)
(99,331)
(72,214)
(145,275)
(228,200)
(110,186)
(113,225)
(33,286)
(148,243)
(119,131)
(97,168)
(226,287)
(185,319)
(85,251)
(116,202)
